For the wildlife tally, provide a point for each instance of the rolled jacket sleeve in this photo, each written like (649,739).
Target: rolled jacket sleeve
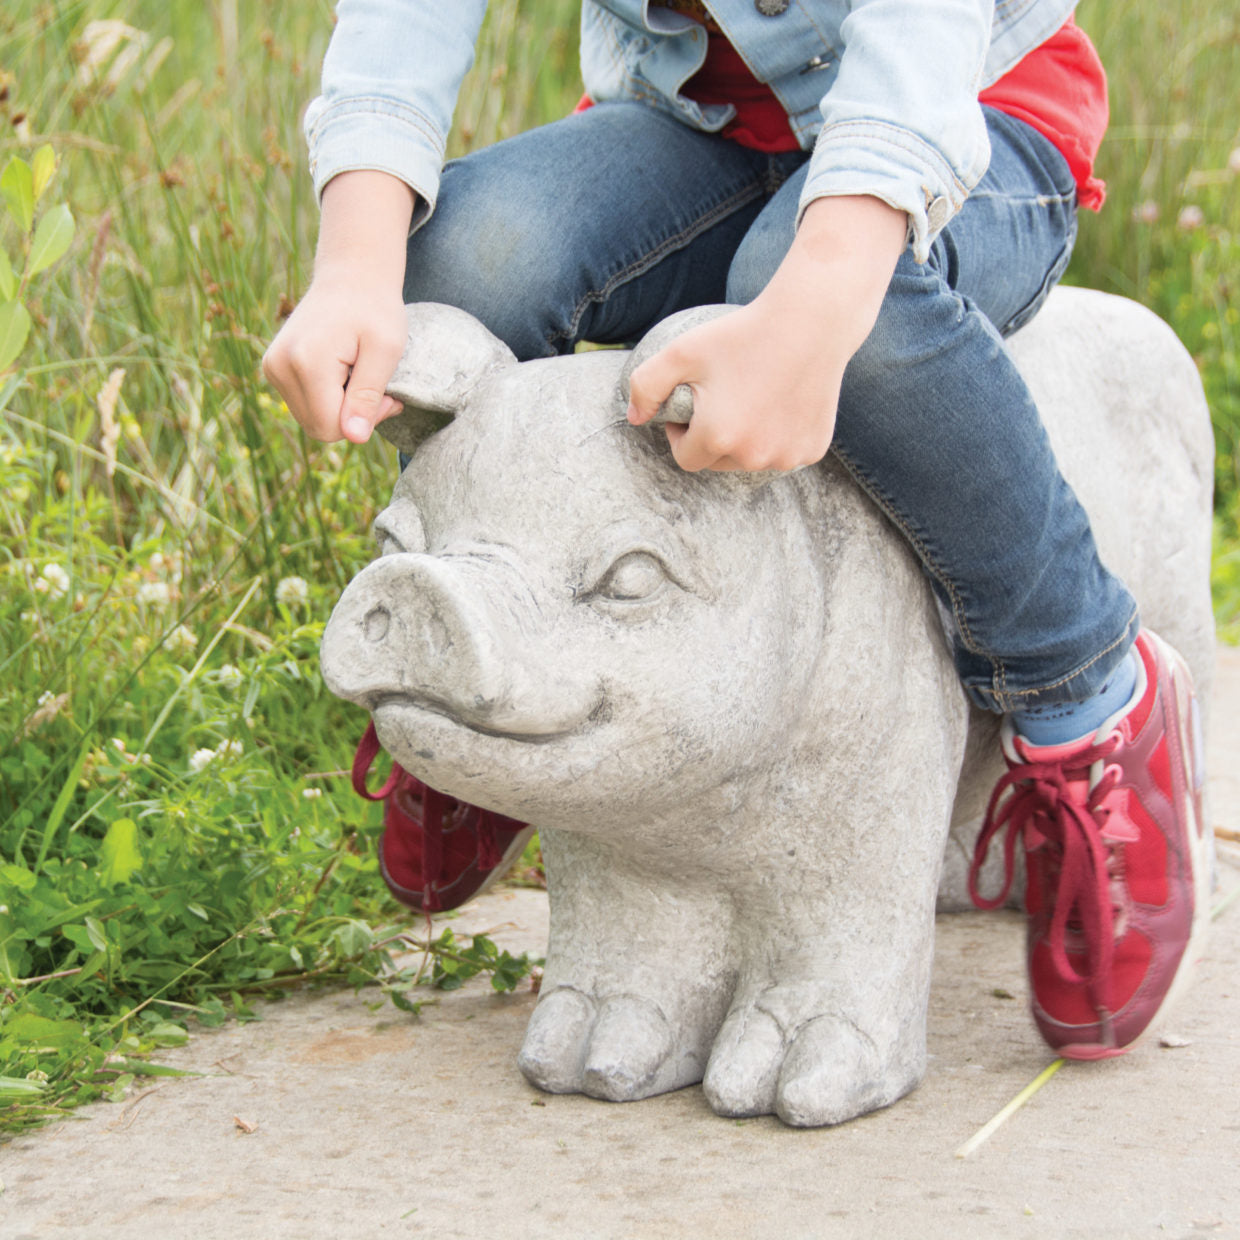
(901,121)
(390,81)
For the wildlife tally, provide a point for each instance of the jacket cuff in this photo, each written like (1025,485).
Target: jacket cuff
(885,161)
(378,135)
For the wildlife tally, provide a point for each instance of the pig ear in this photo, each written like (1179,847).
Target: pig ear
(678,407)
(447,352)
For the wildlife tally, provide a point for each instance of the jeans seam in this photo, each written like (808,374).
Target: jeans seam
(1005,695)
(775,176)
(667,246)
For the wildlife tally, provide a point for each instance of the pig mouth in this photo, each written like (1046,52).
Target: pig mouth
(526,732)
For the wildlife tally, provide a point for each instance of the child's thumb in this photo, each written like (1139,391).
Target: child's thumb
(366,402)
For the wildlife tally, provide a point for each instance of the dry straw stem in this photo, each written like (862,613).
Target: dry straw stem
(988,1129)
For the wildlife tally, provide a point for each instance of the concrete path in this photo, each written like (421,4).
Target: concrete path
(333,1118)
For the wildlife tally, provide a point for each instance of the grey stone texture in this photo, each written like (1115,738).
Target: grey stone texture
(726,700)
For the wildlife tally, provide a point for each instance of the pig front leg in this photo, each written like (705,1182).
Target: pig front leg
(828,1020)
(817,1049)
(639,974)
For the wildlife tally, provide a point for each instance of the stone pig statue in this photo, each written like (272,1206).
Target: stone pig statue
(726,700)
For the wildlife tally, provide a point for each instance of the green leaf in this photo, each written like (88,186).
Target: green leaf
(116,1091)
(8,281)
(51,239)
(119,857)
(167,1034)
(16,1087)
(14,328)
(94,930)
(353,937)
(43,168)
(139,1067)
(28,1028)
(16,877)
(17,187)
(61,805)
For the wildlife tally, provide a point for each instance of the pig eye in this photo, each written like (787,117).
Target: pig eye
(632,577)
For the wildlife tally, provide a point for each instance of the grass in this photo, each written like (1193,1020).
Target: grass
(176,835)
(1169,236)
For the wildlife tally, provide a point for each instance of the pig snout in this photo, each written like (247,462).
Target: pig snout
(455,638)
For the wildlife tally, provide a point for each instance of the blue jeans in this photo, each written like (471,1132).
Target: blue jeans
(599,225)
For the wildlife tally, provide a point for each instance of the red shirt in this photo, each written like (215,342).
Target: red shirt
(1060,88)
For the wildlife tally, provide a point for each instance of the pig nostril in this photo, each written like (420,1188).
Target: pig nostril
(375,625)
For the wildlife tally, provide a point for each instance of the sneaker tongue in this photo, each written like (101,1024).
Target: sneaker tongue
(1052,753)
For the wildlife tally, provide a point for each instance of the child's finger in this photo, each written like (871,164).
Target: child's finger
(652,383)
(366,401)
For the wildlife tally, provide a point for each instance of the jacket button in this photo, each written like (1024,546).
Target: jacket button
(770,8)
(938,213)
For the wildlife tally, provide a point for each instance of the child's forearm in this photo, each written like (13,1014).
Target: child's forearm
(333,358)
(836,272)
(364,226)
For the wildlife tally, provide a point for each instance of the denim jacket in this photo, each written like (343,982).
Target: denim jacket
(883,92)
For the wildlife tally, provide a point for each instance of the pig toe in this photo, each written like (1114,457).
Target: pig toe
(553,1055)
(632,1052)
(743,1072)
(834,1072)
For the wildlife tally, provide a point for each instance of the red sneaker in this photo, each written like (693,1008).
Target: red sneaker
(1118,862)
(436,852)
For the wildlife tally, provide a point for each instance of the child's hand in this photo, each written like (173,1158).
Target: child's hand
(334,357)
(766,378)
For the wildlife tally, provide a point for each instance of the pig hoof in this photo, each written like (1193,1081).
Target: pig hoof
(553,1055)
(629,1051)
(743,1072)
(834,1072)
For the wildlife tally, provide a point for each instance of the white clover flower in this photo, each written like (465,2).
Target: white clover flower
(230,677)
(201,758)
(292,592)
(311,793)
(1146,212)
(229,750)
(1190,218)
(155,594)
(52,581)
(181,640)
